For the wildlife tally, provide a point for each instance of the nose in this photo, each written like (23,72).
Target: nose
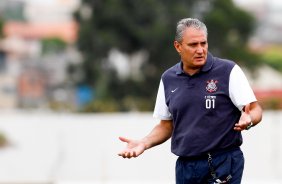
(200,49)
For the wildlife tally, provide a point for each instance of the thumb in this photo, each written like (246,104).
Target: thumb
(123,139)
(247,109)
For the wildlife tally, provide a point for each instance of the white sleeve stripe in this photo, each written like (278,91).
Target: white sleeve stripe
(240,90)
(161,110)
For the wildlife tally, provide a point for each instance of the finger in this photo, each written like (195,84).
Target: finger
(121,154)
(247,108)
(123,139)
(238,128)
(129,154)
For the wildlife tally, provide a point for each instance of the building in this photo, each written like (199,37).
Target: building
(25,64)
(268,14)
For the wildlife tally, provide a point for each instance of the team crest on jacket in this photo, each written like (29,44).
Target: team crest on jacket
(211,86)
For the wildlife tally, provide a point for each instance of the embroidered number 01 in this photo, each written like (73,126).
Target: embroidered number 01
(210,103)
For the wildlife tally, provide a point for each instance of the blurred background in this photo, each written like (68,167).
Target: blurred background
(76,74)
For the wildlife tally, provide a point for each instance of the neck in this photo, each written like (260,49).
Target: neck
(191,71)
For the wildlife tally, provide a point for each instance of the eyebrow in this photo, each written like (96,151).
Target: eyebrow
(195,43)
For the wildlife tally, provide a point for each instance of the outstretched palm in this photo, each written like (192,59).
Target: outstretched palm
(134,148)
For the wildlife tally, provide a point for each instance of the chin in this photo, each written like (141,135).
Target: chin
(200,62)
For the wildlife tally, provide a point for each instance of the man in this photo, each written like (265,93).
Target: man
(203,104)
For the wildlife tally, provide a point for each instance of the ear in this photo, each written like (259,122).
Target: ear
(177,46)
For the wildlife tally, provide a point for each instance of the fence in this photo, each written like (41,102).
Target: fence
(82,149)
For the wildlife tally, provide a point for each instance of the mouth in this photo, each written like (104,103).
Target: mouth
(199,58)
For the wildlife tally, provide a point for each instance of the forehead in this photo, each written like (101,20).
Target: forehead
(194,35)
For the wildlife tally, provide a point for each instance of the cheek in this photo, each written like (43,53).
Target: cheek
(187,56)
(189,52)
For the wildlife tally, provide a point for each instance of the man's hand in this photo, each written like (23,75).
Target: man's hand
(158,135)
(245,120)
(134,148)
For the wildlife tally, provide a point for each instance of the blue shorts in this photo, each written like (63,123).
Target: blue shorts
(198,170)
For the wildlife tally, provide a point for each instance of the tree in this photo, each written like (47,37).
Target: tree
(229,29)
(1,27)
(131,26)
(53,45)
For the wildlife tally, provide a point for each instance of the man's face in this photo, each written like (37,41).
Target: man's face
(193,49)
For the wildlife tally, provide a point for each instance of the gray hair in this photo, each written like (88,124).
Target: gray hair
(186,23)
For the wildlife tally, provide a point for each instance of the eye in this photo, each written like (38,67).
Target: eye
(193,44)
(203,43)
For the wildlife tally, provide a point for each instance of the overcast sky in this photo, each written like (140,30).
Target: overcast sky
(274,2)
(49,1)
(40,1)
(241,2)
